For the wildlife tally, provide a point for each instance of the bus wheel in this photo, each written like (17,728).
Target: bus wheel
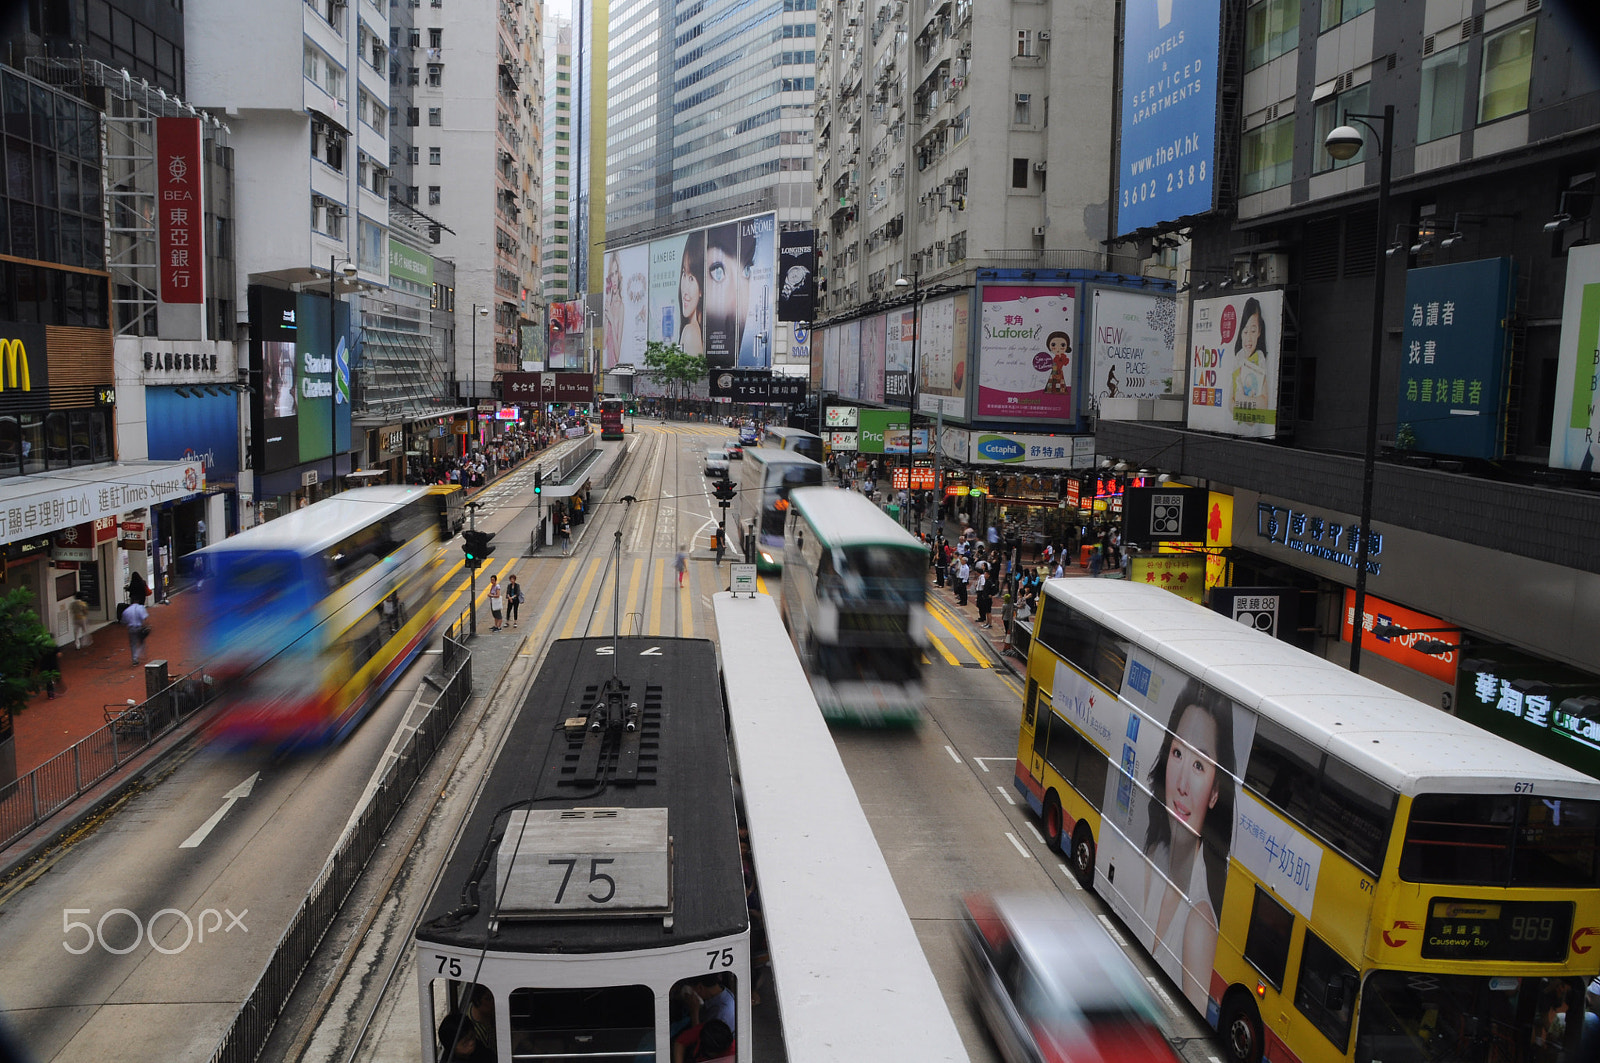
(1241,1028)
(1052,821)
(1083,856)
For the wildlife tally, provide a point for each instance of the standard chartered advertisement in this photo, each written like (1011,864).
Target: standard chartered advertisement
(1026,366)
(1233,364)
(1133,339)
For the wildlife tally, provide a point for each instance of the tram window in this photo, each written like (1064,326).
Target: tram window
(698,1008)
(1266,942)
(466,1020)
(606,1022)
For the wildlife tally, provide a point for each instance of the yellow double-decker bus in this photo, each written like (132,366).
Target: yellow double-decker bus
(1328,869)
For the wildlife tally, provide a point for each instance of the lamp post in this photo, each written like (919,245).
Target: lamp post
(477,312)
(915,284)
(1343,143)
(350,270)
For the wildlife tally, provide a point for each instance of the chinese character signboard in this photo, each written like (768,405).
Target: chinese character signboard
(1027,363)
(1270,610)
(1233,364)
(1168,513)
(1182,574)
(570,389)
(917,478)
(1312,533)
(180,215)
(1038,451)
(1134,333)
(1420,628)
(1169,111)
(1452,361)
(1573,440)
(757,385)
(839,417)
(1547,707)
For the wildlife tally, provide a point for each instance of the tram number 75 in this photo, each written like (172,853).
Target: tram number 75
(595,875)
(719,958)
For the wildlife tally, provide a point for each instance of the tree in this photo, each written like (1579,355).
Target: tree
(676,366)
(24,642)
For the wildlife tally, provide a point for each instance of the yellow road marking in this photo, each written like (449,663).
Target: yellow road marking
(633,593)
(761,584)
(591,571)
(657,579)
(944,616)
(686,605)
(553,603)
(949,658)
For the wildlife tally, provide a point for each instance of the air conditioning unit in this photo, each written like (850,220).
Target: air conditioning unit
(1038,167)
(1044,35)
(1038,230)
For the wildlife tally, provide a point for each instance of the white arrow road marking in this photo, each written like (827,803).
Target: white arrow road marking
(242,790)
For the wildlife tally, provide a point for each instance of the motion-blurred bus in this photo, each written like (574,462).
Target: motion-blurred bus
(307,620)
(765,480)
(796,439)
(855,602)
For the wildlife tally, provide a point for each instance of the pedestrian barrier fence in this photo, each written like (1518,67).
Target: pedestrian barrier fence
(130,729)
(253,1022)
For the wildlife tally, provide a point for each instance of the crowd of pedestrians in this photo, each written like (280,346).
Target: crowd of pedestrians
(504,452)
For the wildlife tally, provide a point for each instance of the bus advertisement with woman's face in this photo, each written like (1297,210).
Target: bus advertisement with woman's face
(1233,364)
(1169,813)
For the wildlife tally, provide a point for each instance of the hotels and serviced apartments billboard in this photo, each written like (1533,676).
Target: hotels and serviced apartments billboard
(711,291)
(1167,149)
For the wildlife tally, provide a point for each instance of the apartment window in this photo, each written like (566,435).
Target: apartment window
(1335,12)
(435,74)
(412,194)
(433,195)
(413,75)
(1022,109)
(437,3)
(1330,114)
(1266,156)
(411,154)
(413,116)
(1019,173)
(436,37)
(414,37)
(1271,28)
(1024,42)
(1444,89)
(434,156)
(435,116)
(1507,67)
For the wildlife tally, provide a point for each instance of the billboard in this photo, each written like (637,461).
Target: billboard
(797,275)
(202,427)
(1573,442)
(711,291)
(1131,346)
(1419,628)
(289,347)
(830,360)
(942,355)
(1034,451)
(1233,364)
(886,432)
(406,264)
(180,219)
(1453,344)
(1026,366)
(900,348)
(872,355)
(850,360)
(1166,153)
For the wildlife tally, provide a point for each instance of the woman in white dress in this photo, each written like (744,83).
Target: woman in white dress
(1191,818)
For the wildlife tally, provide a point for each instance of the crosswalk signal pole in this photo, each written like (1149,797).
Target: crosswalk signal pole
(472,574)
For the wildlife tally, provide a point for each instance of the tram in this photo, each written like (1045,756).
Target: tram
(611,411)
(595,902)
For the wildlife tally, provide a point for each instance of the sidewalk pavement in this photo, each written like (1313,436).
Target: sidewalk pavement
(104,674)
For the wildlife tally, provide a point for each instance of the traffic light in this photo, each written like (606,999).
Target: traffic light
(538,480)
(724,490)
(477,547)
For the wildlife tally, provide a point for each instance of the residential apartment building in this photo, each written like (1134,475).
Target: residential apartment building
(956,136)
(558,283)
(474,125)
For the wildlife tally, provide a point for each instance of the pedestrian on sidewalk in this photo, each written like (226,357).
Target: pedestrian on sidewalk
(680,564)
(985,599)
(513,599)
(941,565)
(78,610)
(963,574)
(566,535)
(496,599)
(137,619)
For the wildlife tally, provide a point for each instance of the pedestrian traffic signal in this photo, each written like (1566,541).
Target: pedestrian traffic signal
(477,547)
(538,480)
(723,489)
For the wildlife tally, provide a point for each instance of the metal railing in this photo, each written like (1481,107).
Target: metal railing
(253,1022)
(50,787)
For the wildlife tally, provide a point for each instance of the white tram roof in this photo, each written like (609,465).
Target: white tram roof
(853,983)
(321,524)
(1408,746)
(846,518)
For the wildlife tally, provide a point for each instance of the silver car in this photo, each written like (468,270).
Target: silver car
(716,462)
(1052,987)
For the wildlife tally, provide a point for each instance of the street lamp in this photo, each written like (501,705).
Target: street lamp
(915,284)
(477,312)
(1343,142)
(349,270)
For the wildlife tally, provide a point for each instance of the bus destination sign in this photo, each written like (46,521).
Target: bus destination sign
(1523,931)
